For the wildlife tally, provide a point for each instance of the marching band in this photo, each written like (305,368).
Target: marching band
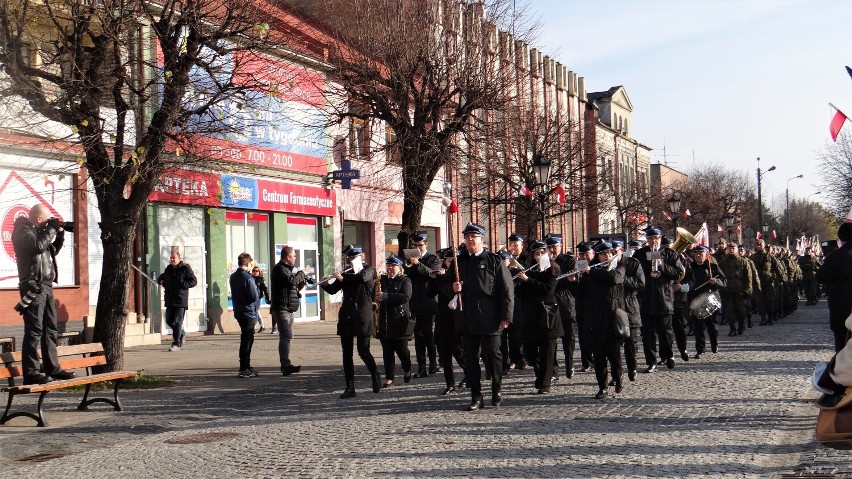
(507,309)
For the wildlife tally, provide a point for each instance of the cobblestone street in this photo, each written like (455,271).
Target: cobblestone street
(744,412)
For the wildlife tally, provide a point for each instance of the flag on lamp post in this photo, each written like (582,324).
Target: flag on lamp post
(666,216)
(720,228)
(560,193)
(523,190)
(837,120)
(687,214)
(774,235)
(759,235)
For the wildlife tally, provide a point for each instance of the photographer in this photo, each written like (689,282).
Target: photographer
(286,284)
(37,239)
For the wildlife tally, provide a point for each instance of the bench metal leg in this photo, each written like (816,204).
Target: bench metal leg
(115,402)
(39,419)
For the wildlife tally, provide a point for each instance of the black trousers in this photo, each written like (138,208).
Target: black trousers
(174,320)
(392,348)
(631,347)
(424,339)
(540,354)
(653,326)
(586,354)
(449,346)
(679,328)
(568,343)
(511,346)
(246,341)
(490,347)
(608,351)
(709,324)
(40,334)
(346,342)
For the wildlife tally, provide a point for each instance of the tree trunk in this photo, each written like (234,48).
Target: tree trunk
(111,313)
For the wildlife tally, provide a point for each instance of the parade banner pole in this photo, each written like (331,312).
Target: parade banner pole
(452,208)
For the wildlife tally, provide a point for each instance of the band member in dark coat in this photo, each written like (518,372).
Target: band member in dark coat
(512,341)
(835,274)
(355,318)
(423,306)
(656,299)
(538,288)
(680,315)
(602,294)
(705,277)
(565,300)
(584,253)
(448,341)
(396,326)
(634,282)
(488,298)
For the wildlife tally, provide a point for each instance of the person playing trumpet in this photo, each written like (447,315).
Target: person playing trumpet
(423,306)
(355,318)
(396,326)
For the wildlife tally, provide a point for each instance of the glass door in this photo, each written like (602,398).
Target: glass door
(307,256)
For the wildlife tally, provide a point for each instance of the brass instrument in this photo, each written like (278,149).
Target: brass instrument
(513,263)
(656,265)
(683,239)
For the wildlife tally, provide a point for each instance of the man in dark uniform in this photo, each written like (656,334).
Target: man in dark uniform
(705,276)
(809,265)
(487,298)
(634,282)
(587,254)
(769,271)
(423,306)
(836,276)
(662,267)
(512,339)
(565,300)
(739,287)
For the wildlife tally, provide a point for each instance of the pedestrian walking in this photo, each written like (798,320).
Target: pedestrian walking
(176,281)
(286,283)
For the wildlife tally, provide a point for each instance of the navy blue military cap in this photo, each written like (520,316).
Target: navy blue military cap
(665,240)
(351,251)
(700,249)
(634,244)
(473,228)
(584,247)
(617,244)
(653,231)
(504,254)
(419,236)
(515,237)
(742,247)
(551,240)
(536,245)
(392,259)
(603,246)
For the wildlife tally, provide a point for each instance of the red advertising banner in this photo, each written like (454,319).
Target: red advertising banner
(292,198)
(256,155)
(188,187)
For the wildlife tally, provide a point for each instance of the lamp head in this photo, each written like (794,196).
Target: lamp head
(771,168)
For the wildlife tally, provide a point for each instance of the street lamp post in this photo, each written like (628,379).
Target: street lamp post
(729,222)
(541,170)
(787,209)
(674,207)
(759,197)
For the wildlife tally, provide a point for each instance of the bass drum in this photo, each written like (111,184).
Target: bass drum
(705,304)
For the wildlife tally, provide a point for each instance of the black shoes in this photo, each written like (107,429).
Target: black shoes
(684,355)
(474,405)
(496,400)
(448,390)
(619,387)
(569,373)
(349,392)
(37,379)
(63,374)
(388,383)
(714,348)
(377,382)
(670,363)
(406,377)
(288,370)
(631,375)
(435,369)
(732,333)
(421,372)
(601,394)
(462,383)
(651,368)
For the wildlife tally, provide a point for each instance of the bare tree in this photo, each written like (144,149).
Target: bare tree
(133,82)
(835,166)
(711,193)
(434,75)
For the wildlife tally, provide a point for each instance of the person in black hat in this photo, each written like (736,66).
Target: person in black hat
(662,267)
(587,254)
(512,339)
(634,282)
(396,326)
(355,318)
(739,286)
(706,277)
(423,306)
(447,340)
(487,300)
(538,288)
(565,299)
(836,277)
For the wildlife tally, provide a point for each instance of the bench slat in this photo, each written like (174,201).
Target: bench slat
(11,372)
(78,363)
(51,386)
(79,349)
(13,357)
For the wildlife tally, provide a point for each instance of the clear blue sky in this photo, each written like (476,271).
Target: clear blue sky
(721,81)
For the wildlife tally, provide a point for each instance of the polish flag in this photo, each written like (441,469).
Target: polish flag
(687,214)
(720,229)
(774,235)
(703,235)
(837,120)
(666,216)
(524,191)
(560,193)
(759,235)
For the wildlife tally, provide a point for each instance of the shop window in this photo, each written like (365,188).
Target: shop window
(247,232)
(359,233)
(302,229)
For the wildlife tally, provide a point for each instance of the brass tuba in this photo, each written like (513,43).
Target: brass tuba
(683,239)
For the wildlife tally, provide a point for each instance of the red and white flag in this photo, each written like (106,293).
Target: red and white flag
(774,235)
(560,193)
(759,235)
(687,214)
(703,235)
(720,229)
(666,216)
(523,190)
(837,120)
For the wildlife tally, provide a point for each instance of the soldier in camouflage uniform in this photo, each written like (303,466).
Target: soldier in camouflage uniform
(769,271)
(809,265)
(739,286)
(794,276)
(756,286)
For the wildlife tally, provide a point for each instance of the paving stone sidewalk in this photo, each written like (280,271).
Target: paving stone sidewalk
(744,412)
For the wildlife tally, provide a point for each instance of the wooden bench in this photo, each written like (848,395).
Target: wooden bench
(70,358)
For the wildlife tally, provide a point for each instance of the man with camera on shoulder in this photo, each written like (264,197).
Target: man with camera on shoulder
(37,239)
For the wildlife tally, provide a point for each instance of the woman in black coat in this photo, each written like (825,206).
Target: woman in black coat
(603,293)
(355,318)
(396,326)
(542,326)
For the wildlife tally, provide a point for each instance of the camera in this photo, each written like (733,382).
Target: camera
(67,226)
